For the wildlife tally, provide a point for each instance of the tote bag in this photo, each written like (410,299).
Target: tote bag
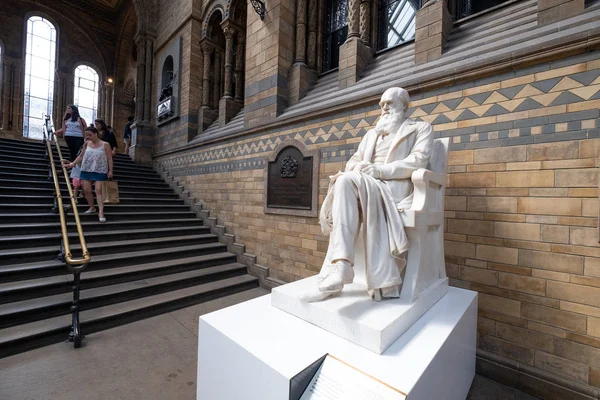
(110,190)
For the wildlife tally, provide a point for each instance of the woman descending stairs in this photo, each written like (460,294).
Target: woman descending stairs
(154,255)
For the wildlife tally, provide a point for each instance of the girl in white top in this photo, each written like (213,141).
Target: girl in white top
(73,128)
(96,166)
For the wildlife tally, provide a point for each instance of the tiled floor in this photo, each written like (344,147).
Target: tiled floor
(153,359)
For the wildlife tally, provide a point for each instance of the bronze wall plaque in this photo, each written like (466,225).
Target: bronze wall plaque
(291,180)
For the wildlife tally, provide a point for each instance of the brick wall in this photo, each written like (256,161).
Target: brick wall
(521,205)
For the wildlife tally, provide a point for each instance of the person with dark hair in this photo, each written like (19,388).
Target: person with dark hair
(127,134)
(106,135)
(96,166)
(73,129)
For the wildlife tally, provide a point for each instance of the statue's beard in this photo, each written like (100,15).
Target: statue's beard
(389,123)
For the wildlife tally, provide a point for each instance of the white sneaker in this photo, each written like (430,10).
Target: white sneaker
(341,273)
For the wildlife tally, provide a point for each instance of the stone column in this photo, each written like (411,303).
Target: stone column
(229,35)
(239,68)
(206,115)
(353,19)
(365,22)
(207,49)
(4,85)
(217,78)
(143,135)
(550,11)
(433,26)
(301,32)
(228,107)
(301,78)
(312,34)
(355,55)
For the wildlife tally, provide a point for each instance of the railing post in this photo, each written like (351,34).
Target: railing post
(75,335)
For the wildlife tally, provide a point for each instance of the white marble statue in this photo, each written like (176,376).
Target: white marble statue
(371,193)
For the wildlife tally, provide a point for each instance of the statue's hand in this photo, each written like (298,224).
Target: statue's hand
(372,170)
(360,166)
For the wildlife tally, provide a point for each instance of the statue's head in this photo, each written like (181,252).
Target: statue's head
(394,103)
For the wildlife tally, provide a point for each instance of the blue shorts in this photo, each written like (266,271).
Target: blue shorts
(92,176)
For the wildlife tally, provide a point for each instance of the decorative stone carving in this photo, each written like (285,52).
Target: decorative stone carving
(365,22)
(291,180)
(353,19)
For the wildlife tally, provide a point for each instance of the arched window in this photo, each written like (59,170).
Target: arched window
(396,22)
(86,92)
(40,58)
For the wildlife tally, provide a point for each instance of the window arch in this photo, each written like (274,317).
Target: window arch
(85,97)
(40,64)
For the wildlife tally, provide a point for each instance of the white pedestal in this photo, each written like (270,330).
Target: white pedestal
(252,351)
(353,315)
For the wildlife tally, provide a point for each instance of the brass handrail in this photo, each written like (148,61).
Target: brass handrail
(74,264)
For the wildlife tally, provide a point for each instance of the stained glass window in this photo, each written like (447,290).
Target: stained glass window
(86,92)
(40,59)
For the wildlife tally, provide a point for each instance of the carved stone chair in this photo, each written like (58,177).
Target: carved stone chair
(424,226)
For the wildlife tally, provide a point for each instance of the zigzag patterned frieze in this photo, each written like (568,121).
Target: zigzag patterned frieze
(482,114)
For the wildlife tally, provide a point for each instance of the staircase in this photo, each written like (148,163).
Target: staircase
(152,256)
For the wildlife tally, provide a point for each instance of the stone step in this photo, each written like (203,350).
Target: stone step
(19,255)
(83,206)
(26,311)
(49,198)
(38,269)
(40,333)
(125,235)
(45,215)
(125,185)
(124,192)
(21,228)
(42,169)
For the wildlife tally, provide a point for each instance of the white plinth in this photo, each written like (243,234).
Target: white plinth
(353,315)
(252,351)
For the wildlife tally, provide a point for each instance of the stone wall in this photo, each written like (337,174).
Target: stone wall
(521,205)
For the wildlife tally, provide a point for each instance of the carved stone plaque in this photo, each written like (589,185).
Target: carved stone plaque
(291,180)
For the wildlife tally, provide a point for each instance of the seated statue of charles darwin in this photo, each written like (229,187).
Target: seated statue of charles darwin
(371,194)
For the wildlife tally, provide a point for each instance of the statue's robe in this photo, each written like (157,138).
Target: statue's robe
(378,203)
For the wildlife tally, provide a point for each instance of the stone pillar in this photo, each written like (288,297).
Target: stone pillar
(301,78)
(355,55)
(550,11)
(433,26)
(143,139)
(239,69)
(228,107)
(365,22)
(206,115)
(301,33)
(229,35)
(207,49)
(312,34)
(4,92)
(353,19)
(106,108)
(217,78)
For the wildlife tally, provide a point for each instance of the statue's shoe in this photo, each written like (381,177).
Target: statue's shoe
(339,275)
(326,269)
